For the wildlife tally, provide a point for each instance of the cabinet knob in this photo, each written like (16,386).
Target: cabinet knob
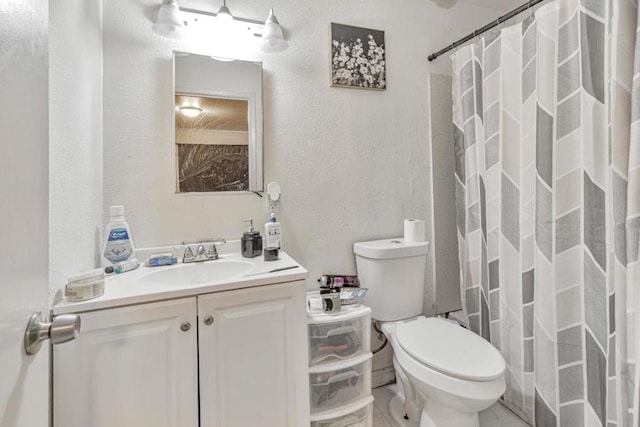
(185,326)
(208,320)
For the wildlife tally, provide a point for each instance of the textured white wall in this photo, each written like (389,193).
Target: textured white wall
(445,249)
(75,133)
(352,163)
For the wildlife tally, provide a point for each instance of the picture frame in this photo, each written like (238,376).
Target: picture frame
(358,57)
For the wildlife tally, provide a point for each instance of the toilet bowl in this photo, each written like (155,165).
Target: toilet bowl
(447,373)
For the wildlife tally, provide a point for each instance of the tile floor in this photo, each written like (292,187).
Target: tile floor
(496,416)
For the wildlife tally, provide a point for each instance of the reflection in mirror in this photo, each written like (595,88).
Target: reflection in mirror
(218,119)
(212,144)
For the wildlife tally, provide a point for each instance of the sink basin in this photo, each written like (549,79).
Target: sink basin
(196,273)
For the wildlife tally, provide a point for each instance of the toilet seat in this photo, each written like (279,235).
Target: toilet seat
(450,349)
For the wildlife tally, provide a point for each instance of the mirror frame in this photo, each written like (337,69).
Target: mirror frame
(255,125)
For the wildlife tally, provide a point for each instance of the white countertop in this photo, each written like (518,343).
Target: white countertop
(132,287)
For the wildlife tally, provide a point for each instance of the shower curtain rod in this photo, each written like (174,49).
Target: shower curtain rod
(486,28)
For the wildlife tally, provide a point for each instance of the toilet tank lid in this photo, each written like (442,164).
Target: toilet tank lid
(390,248)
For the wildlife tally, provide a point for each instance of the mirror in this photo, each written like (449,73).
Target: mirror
(218,123)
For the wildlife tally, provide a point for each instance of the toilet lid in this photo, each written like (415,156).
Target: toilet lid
(446,347)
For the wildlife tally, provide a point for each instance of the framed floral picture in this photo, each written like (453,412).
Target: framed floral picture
(357,57)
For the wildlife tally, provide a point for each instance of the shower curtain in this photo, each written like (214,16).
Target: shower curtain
(547,149)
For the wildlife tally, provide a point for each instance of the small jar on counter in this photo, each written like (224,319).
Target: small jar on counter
(85,286)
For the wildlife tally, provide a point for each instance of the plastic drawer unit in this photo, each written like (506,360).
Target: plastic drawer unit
(339,336)
(335,384)
(358,414)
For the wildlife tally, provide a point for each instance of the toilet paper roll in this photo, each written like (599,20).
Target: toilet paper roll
(314,303)
(413,230)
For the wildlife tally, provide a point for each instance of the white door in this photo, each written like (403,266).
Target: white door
(24,169)
(253,357)
(134,366)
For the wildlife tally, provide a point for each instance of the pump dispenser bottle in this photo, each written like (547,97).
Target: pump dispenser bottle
(272,233)
(118,243)
(251,242)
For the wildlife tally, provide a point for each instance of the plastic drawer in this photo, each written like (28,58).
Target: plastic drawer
(337,384)
(359,414)
(339,336)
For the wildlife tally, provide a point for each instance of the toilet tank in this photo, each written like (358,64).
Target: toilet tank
(393,271)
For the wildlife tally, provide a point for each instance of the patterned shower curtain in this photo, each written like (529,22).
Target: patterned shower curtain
(547,147)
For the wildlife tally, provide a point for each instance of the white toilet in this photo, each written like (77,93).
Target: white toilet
(447,374)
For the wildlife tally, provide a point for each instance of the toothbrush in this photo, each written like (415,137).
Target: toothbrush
(275,270)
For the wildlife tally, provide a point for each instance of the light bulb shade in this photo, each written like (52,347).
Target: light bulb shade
(224,22)
(190,111)
(169,22)
(224,14)
(272,36)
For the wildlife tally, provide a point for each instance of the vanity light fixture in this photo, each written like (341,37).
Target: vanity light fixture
(272,36)
(224,14)
(190,111)
(171,21)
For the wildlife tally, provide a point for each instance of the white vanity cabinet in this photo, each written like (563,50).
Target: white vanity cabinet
(131,366)
(253,357)
(237,356)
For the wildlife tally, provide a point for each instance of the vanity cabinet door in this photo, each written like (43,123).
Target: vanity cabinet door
(133,366)
(253,357)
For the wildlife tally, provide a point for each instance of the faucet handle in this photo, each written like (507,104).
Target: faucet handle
(212,253)
(188,254)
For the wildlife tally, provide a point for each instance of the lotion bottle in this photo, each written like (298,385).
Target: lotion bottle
(118,243)
(272,233)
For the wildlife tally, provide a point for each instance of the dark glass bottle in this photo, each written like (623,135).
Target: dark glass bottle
(251,242)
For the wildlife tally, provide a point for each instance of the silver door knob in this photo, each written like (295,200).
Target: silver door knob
(185,326)
(63,328)
(208,320)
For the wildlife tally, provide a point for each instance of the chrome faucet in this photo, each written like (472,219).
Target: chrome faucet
(201,253)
